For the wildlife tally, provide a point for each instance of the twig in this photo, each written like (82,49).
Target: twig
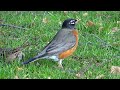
(82,71)
(105,43)
(13,26)
(85,69)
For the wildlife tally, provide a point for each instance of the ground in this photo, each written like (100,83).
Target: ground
(97,52)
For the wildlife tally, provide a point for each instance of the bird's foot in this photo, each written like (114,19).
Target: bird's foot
(60,66)
(60,63)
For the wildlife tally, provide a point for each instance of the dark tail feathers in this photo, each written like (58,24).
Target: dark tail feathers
(30,60)
(33,59)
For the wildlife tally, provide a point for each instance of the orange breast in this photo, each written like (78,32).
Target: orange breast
(70,51)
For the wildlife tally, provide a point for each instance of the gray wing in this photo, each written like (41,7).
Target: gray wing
(61,43)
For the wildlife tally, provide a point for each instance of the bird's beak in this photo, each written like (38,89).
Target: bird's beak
(78,20)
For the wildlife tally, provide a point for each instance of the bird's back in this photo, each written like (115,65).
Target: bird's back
(61,42)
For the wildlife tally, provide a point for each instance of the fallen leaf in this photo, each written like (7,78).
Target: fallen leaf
(27,78)
(115,69)
(60,22)
(118,22)
(16,77)
(90,23)
(115,29)
(78,75)
(85,14)
(45,20)
(65,12)
(78,20)
(74,11)
(100,76)
(116,44)
(100,28)
(19,68)
(11,57)
(49,78)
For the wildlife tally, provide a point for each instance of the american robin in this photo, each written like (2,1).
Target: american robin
(62,45)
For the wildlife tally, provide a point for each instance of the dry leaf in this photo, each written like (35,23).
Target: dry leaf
(60,22)
(116,44)
(49,78)
(16,77)
(45,20)
(75,12)
(15,55)
(78,75)
(115,29)
(65,12)
(19,68)
(85,14)
(118,22)
(100,28)
(115,69)
(27,78)
(90,23)
(100,76)
(78,20)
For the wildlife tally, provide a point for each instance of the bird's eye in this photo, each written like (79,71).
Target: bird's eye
(72,22)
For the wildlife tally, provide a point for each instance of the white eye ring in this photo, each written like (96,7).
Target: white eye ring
(72,22)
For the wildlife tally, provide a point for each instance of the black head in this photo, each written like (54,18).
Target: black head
(69,23)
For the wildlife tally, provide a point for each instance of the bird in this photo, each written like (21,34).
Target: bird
(63,44)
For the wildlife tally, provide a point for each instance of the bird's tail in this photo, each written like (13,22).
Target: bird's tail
(33,59)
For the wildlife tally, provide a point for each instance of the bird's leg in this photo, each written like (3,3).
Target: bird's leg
(60,63)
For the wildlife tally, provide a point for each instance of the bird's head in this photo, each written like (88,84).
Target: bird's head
(69,23)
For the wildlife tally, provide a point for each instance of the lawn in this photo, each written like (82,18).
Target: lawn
(98,50)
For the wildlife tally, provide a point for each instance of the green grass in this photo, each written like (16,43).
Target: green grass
(99,49)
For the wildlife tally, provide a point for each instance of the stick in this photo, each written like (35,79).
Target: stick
(13,26)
